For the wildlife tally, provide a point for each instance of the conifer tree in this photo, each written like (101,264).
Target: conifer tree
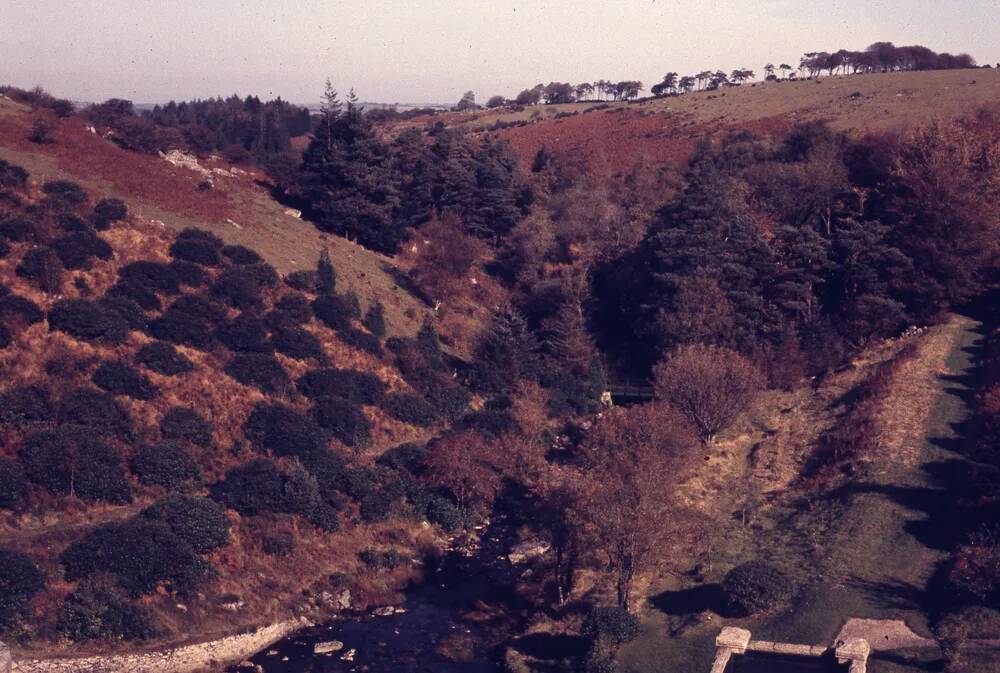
(326,275)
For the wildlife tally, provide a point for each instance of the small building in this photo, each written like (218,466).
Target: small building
(737,652)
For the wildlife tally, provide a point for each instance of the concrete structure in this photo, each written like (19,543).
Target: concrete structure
(733,641)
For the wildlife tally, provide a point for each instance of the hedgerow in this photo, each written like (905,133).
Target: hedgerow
(201,522)
(183,424)
(344,420)
(87,320)
(142,552)
(350,384)
(163,358)
(13,484)
(20,581)
(165,464)
(260,370)
(283,431)
(120,379)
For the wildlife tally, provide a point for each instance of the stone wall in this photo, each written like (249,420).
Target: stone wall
(211,655)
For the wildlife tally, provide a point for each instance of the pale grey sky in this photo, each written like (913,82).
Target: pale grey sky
(433,50)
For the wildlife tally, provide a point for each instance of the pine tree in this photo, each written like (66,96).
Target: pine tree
(507,352)
(326,275)
(375,319)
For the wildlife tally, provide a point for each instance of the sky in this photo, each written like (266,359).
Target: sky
(431,51)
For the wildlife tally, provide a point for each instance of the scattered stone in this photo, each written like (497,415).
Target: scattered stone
(400,611)
(292,212)
(528,550)
(386,611)
(349,655)
(181,607)
(271,653)
(327,647)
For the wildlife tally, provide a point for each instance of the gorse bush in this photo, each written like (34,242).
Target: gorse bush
(253,488)
(292,309)
(187,425)
(163,358)
(335,311)
(73,224)
(107,211)
(238,254)
(153,276)
(97,610)
(305,281)
(756,587)
(67,462)
(141,295)
(361,340)
(43,267)
(143,553)
(196,250)
(95,411)
(100,474)
(190,321)
(200,522)
(13,484)
(165,464)
(12,175)
(87,320)
(128,310)
(64,193)
(410,408)
(297,343)
(16,307)
(76,249)
(18,229)
(283,431)
(612,624)
(24,405)
(375,320)
(20,581)
(344,420)
(246,333)
(119,378)
(241,286)
(189,273)
(350,384)
(262,371)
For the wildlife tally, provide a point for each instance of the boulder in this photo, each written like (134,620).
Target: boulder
(527,550)
(386,611)
(328,646)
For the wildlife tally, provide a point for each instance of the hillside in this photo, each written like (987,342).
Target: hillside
(613,137)
(239,208)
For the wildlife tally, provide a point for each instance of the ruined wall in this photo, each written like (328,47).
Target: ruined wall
(211,655)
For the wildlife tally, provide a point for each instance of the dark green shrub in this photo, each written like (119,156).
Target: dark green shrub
(24,405)
(187,425)
(238,254)
(107,211)
(378,505)
(99,473)
(163,358)
(43,267)
(756,587)
(240,286)
(375,319)
(165,464)
(75,250)
(408,457)
(129,311)
(6,338)
(20,308)
(190,321)
(20,580)
(194,234)
(189,273)
(97,412)
(141,295)
(18,229)
(64,193)
(246,333)
(410,408)
(119,378)
(335,311)
(201,522)
(253,488)
(490,422)
(326,275)
(12,175)
(153,276)
(97,610)
(344,420)
(330,473)
(389,559)
(142,552)
(13,484)
(361,340)
(292,309)
(48,457)
(283,431)
(324,517)
(306,281)
(611,624)
(350,384)
(277,543)
(451,401)
(196,251)
(445,513)
(297,343)
(73,224)
(4,248)
(87,320)
(262,371)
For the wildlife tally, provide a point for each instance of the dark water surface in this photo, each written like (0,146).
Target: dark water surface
(437,617)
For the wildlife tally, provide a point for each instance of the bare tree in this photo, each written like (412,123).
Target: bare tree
(710,385)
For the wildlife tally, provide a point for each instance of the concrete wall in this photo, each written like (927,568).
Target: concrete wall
(212,655)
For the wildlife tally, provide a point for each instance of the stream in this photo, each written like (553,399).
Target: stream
(455,621)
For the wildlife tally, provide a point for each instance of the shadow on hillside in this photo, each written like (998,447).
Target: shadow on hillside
(551,645)
(691,601)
